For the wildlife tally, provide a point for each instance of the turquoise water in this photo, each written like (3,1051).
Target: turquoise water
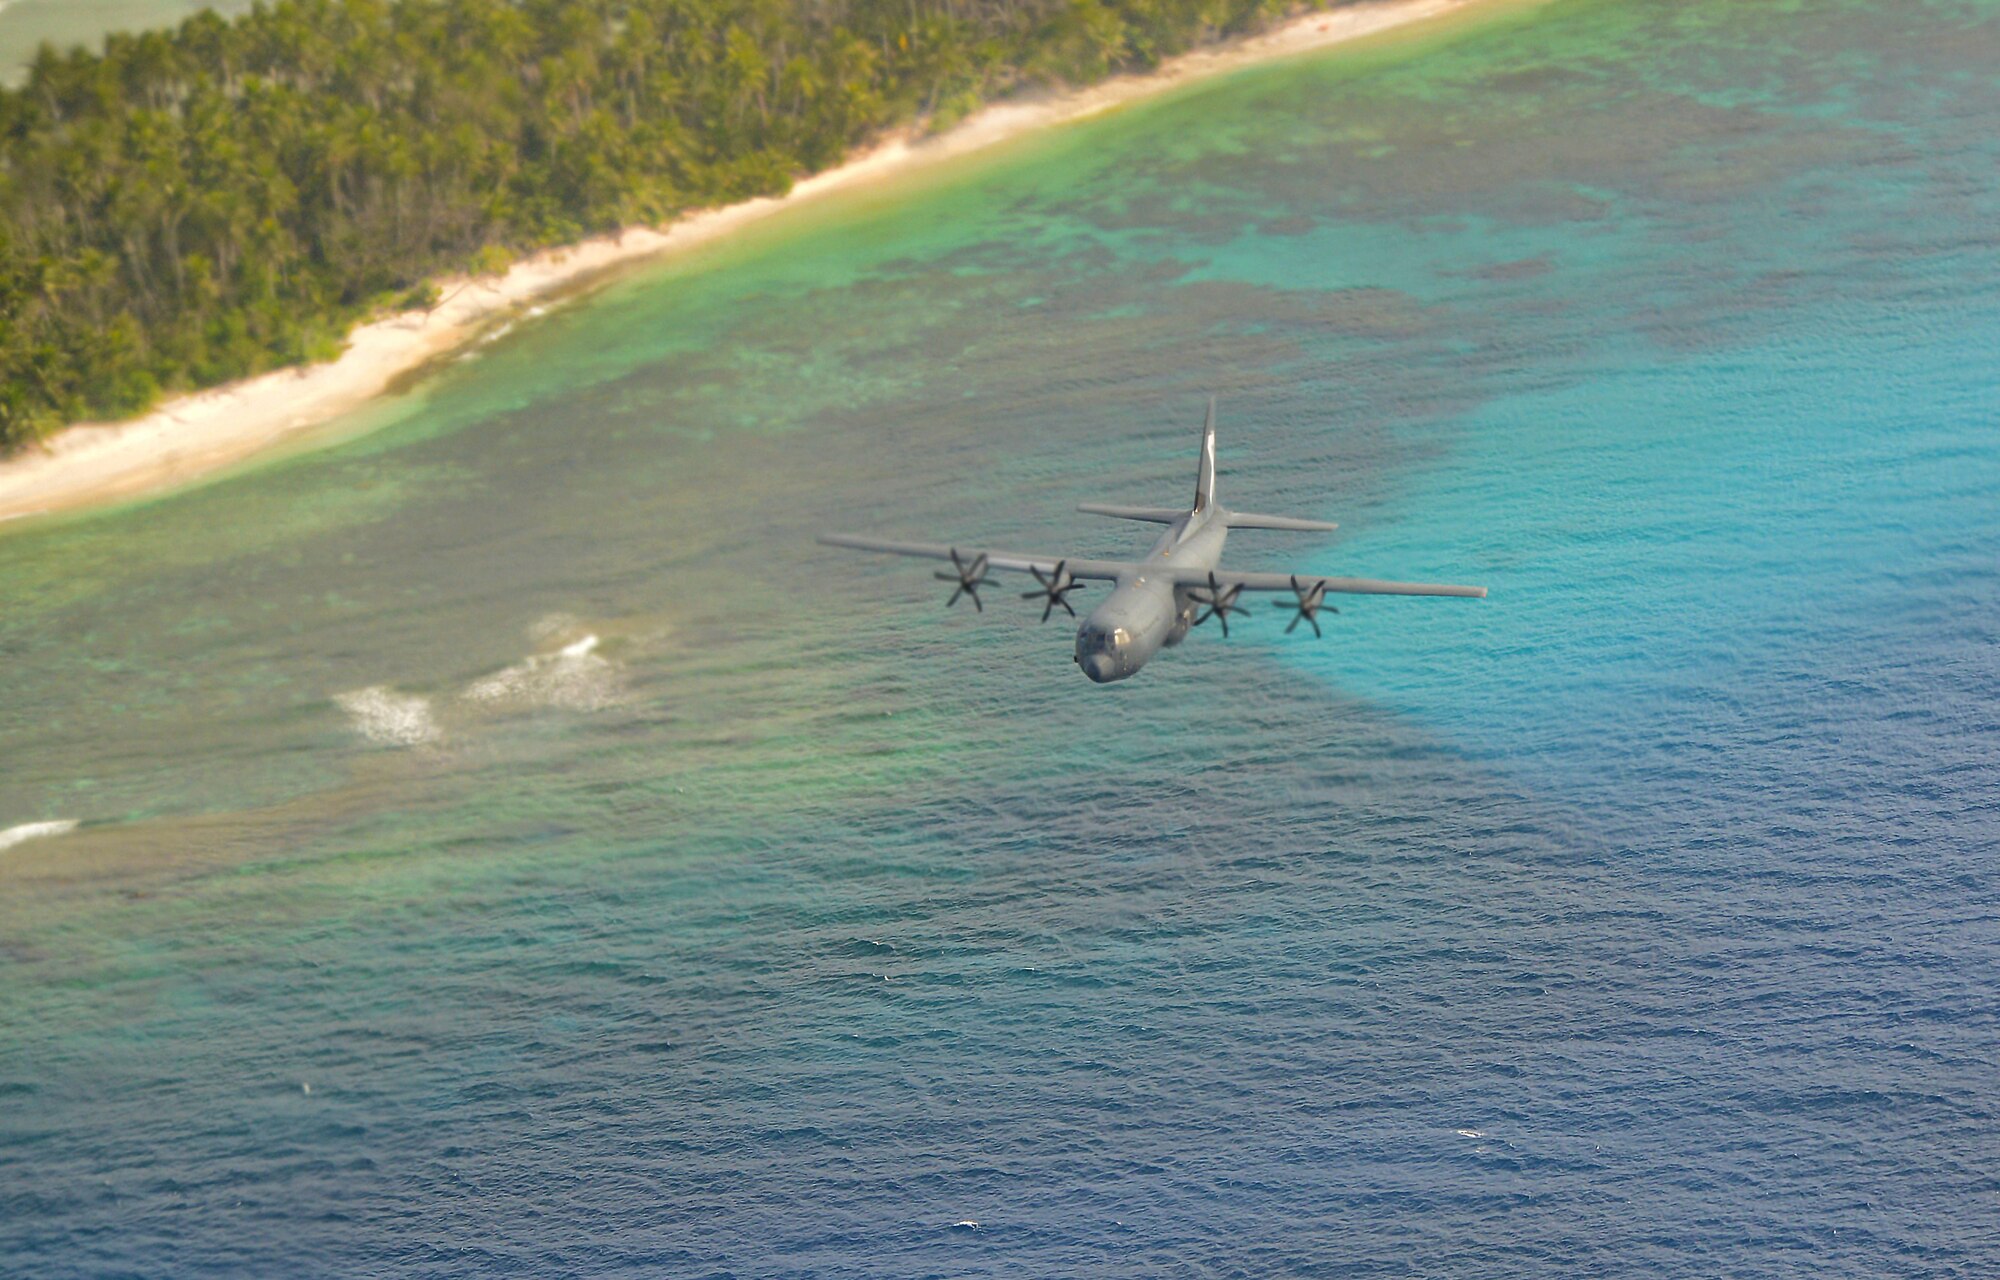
(1639,919)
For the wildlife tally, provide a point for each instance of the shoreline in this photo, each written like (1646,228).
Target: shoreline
(200,433)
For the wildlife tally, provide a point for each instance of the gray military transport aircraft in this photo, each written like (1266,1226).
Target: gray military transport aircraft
(1157,599)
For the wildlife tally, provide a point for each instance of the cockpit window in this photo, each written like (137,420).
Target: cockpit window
(1104,642)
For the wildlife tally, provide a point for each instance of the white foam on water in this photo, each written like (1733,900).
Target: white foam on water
(35,831)
(391,719)
(574,676)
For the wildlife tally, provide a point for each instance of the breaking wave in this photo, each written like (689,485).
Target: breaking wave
(574,676)
(34,830)
(391,719)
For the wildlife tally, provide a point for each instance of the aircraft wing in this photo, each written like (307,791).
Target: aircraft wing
(1226,579)
(1111,570)
(1075,567)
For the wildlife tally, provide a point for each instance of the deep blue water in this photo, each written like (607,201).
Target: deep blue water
(1639,920)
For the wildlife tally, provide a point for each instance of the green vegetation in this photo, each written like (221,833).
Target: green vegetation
(192,206)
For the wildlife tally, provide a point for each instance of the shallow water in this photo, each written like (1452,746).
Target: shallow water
(508,843)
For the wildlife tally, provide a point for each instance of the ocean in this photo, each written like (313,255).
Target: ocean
(504,842)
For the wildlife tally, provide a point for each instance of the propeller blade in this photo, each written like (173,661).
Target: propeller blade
(969,577)
(1055,589)
(1307,606)
(1217,603)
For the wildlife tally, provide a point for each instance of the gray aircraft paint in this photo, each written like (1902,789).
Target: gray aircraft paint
(1146,612)
(1157,599)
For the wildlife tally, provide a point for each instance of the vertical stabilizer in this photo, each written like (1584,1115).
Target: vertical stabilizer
(1204,480)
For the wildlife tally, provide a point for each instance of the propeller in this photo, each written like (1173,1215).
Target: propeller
(1310,602)
(1220,603)
(1053,590)
(969,577)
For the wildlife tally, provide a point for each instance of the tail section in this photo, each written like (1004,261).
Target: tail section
(1204,493)
(1204,480)
(1204,499)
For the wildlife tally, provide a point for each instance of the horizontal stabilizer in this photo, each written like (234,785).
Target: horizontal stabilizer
(1251,520)
(1151,515)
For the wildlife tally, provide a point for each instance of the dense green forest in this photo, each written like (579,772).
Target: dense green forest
(191,206)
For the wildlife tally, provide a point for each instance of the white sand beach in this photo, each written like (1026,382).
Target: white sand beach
(197,434)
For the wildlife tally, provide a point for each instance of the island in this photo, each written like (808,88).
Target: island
(188,209)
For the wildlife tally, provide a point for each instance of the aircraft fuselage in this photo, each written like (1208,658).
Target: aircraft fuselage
(1146,612)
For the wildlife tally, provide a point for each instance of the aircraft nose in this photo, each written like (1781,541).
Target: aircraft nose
(1100,668)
